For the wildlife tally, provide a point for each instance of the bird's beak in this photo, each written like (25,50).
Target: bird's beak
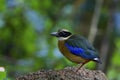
(54,34)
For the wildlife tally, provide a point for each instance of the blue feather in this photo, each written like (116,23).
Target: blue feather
(88,54)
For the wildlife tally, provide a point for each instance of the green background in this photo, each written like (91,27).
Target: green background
(25,27)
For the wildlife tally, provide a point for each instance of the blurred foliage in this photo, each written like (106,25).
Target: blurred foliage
(25,25)
(2,75)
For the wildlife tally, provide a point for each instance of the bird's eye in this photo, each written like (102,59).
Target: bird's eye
(64,34)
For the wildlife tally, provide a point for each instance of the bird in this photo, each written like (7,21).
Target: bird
(76,48)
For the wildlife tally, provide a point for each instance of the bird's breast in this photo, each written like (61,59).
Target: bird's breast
(68,54)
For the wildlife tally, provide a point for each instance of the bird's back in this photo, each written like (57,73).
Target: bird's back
(80,46)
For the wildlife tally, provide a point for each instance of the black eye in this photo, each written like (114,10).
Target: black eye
(64,34)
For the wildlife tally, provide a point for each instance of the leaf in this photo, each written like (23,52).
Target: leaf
(2,75)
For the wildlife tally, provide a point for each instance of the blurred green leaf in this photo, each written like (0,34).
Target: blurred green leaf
(2,75)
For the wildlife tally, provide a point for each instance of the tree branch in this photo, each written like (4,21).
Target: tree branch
(95,20)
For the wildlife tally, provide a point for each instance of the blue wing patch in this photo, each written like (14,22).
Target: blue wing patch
(88,54)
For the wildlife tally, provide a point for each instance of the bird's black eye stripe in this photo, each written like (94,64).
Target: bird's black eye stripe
(64,34)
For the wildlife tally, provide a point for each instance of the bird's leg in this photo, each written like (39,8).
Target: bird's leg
(82,65)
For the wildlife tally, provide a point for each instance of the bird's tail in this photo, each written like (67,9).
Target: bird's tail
(97,60)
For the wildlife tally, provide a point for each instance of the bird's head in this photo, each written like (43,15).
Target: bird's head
(62,34)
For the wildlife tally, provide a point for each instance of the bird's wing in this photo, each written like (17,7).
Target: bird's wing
(79,46)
